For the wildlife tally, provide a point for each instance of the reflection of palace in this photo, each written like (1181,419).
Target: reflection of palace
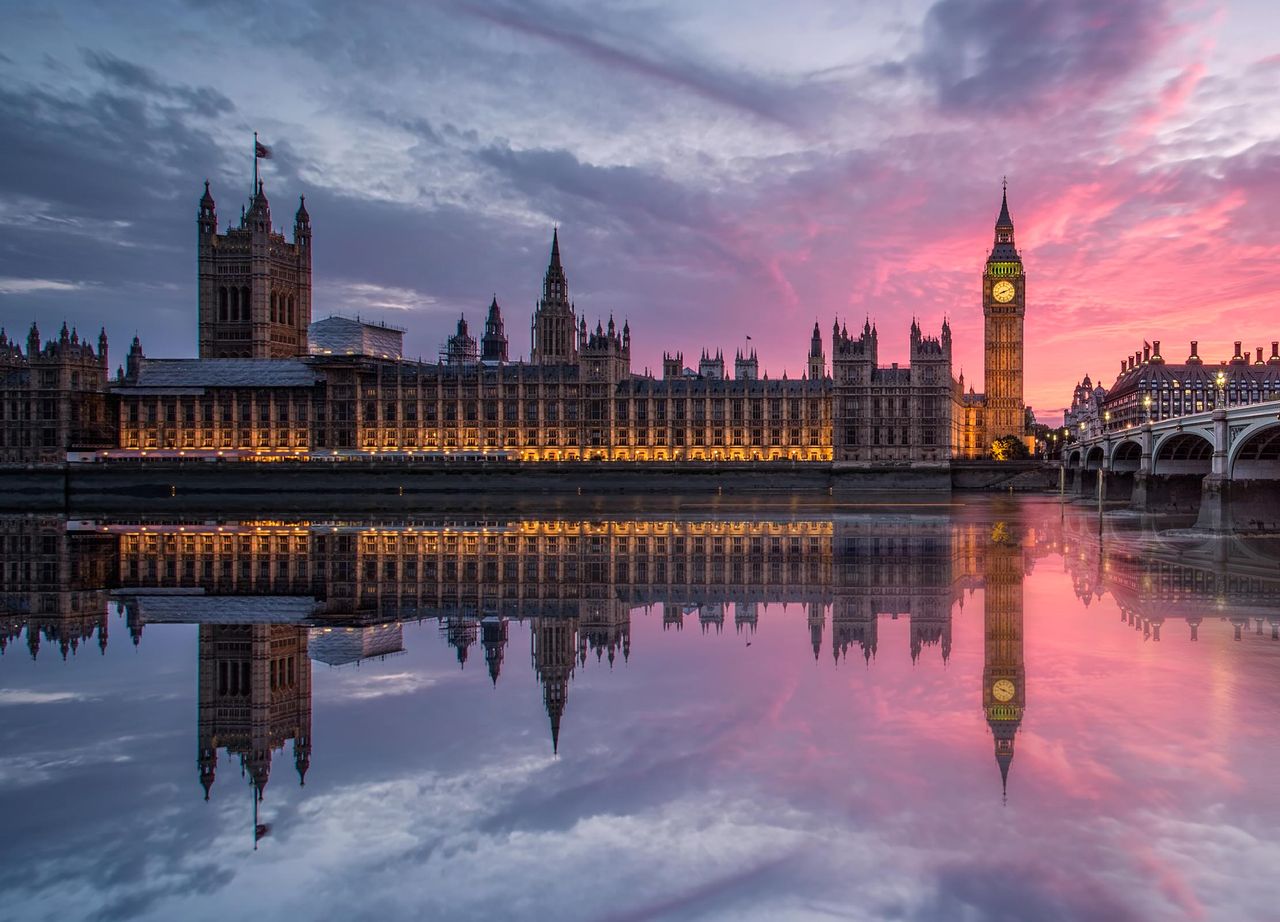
(53,582)
(272,595)
(255,693)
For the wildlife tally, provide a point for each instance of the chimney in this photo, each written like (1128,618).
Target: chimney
(1146,353)
(1259,362)
(1194,357)
(1237,357)
(1155,352)
(1275,353)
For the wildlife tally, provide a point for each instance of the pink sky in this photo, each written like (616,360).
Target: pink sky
(717,170)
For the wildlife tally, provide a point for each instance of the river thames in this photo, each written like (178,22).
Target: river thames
(985,708)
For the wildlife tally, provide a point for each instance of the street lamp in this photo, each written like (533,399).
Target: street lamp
(1221,380)
(1146,404)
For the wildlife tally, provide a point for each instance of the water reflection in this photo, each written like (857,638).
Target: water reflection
(273,597)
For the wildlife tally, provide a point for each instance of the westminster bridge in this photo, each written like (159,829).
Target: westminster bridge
(1223,464)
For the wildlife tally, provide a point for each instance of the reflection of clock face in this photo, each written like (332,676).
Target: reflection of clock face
(1002,690)
(1003,291)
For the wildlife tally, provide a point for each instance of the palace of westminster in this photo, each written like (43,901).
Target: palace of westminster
(269,384)
(273,596)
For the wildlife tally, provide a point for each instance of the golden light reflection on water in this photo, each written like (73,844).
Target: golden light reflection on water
(870,680)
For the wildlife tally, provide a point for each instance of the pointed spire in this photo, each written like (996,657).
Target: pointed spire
(555,247)
(1003,759)
(1004,220)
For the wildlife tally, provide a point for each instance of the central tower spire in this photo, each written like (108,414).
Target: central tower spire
(554,326)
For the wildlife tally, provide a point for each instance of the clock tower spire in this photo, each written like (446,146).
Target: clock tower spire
(1004,671)
(1003,308)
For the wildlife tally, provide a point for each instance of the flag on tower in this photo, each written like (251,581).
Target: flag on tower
(260,150)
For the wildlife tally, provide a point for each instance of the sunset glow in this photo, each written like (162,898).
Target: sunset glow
(716,172)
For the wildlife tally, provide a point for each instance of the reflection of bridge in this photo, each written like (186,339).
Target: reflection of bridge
(1225,461)
(1158,577)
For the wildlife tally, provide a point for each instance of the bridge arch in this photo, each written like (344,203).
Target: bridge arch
(1093,458)
(1189,452)
(1126,455)
(1256,453)
(1075,458)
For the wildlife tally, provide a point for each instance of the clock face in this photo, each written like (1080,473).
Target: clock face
(1002,690)
(1003,291)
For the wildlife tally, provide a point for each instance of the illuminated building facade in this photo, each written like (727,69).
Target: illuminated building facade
(1083,419)
(1004,297)
(261,390)
(1150,389)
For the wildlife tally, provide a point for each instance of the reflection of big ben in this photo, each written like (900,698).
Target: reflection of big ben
(554,651)
(1003,673)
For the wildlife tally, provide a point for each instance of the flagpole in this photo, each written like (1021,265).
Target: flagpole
(255,165)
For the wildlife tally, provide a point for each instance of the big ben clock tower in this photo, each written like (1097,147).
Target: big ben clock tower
(1003,306)
(1004,673)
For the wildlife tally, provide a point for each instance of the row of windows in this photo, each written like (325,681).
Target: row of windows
(235,306)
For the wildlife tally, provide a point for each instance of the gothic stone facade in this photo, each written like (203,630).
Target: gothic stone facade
(256,392)
(53,398)
(254,286)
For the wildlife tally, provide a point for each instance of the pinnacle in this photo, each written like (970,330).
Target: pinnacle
(1004,220)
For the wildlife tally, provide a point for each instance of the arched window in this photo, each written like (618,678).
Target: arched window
(274,301)
(245,312)
(235,304)
(222,303)
(291,314)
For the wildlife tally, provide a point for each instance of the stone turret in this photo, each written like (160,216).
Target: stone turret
(817,361)
(493,345)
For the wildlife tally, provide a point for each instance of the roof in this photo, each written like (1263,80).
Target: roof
(1149,375)
(891,375)
(225,373)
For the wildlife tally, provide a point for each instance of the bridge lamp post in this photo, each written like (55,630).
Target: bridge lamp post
(1221,380)
(1146,404)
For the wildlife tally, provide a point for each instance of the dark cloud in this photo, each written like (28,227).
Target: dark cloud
(590,37)
(1015,892)
(201,100)
(1001,56)
(551,176)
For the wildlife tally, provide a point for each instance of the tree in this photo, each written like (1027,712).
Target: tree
(1009,448)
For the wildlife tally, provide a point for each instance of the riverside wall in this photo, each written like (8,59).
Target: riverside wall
(119,487)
